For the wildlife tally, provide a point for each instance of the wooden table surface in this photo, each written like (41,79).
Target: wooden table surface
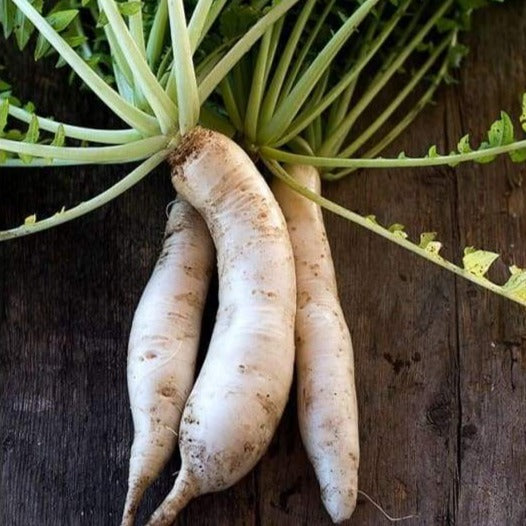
(440,363)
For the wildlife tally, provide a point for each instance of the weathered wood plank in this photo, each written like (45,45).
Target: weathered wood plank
(441,423)
(401,316)
(492,333)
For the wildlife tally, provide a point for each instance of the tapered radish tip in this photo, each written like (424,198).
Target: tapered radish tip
(182,493)
(339,504)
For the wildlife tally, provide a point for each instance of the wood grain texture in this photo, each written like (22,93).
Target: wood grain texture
(441,365)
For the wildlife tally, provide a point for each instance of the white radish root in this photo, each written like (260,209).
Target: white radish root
(163,346)
(239,396)
(327,406)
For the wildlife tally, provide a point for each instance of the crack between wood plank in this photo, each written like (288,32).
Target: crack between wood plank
(257,506)
(456,236)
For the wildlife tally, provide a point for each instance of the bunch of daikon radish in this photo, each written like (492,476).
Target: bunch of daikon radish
(226,92)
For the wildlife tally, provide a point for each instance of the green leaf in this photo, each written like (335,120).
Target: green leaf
(30,220)
(4,86)
(23,30)
(14,135)
(426,238)
(60,137)
(398,230)
(433,153)
(7,16)
(446,24)
(32,133)
(12,100)
(516,284)
(236,19)
(501,131)
(4,112)
(59,20)
(31,137)
(478,262)
(29,107)
(41,48)
(129,8)
(457,54)
(429,244)
(463,145)
(60,63)
(102,19)
(75,40)
(23,27)
(472,4)
(523,115)
(518,156)
(125,8)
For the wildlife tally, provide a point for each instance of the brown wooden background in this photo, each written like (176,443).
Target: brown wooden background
(441,365)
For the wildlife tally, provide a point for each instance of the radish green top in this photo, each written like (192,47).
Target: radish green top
(163,66)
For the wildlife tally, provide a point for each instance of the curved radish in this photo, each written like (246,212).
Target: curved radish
(163,346)
(327,406)
(239,396)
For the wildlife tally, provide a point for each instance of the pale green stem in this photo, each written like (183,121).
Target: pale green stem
(341,108)
(212,80)
(133,151)
(290,106)
(208,64)
(128,113)
(77,132)
(230,104)
(209,118)
(272,94)
(162,106)
(344,126)
(215,11)
(309,114)
(120,66)
(125,88)
(276,34)
(400,126)
(240,86)
(166,63)
(171,86)
(333,142)
(298,63)
(315,131)
(300,145)
(163,81)
(410,117)
(384,162)
(85,47)
(92,204)
(374,227)
(183,69)
(38,162)
(137,31)
(257,88)
(157,36)
(198,22)
(397,101)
